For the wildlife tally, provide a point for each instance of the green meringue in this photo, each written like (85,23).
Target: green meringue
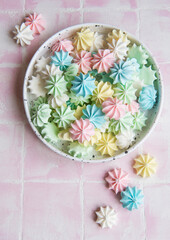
(41,115)
(147,75)
(70,73)
(35,104)
(126,92)
(122,124)
(50,132)
(139,120)
(78,100)
(139,53)
(78,150)
(63,116)
(56,85)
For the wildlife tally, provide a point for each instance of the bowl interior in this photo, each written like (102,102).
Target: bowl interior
(61,146)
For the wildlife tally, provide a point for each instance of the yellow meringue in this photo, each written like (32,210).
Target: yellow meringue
(102,92)
(65,135)
(78,112)
(94,139)
(145,165)
(117,34)
(84,39)
(107,144)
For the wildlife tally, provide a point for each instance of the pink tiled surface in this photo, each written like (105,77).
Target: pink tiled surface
(47,197)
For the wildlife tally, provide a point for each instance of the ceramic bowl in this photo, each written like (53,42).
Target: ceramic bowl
(60,147)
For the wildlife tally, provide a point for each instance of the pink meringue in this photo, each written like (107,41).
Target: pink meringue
(36,23)
(133,107)
(117,180)
(65,45)
(82,130)
(83,60)
(114,108)
(103,60)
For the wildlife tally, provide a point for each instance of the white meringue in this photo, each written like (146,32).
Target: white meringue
(58,101)
(51,70)
(98,42)
(106,217)
(23,35)
(119,48)
(138,84)
(37,86)
(41,63)
(125,138)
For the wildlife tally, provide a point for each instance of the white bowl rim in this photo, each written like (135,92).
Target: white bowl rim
(129,150)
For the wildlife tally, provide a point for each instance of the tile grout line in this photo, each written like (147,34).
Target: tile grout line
(144,217)
(22,184)
(82,11)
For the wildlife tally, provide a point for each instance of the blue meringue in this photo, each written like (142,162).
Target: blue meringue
(131,198)
(61,59)
(123,71)
(83,85)
(147,97)
(95,115)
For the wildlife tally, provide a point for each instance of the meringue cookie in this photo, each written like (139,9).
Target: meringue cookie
(65,45)
(36,23)
(51,70)
(82,130)
(117,180)
(145,165)
(98,42)
(23,35)
(37,86)
(57,101)
(106,217)
(132,198)
(107,144)
(84,39)
(139,54)
(119,48)
(125,138)
(103,60)
(41,64)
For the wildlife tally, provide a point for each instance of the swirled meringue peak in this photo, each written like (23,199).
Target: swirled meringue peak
(65,45)
(91,95)
(132,198)
(145,165)
(56,85)
(114,108)
(125,138)
(95,115)
(102,92)
(117,180)
(126,92)
(106,217)
(107,144)
(119,48)
(23,35)
(83,85)
(103,60)
(122,71)
(147,97)
(36,23)
(61,59)
(83,60)
(84,39)
(82,130)
(117,34)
